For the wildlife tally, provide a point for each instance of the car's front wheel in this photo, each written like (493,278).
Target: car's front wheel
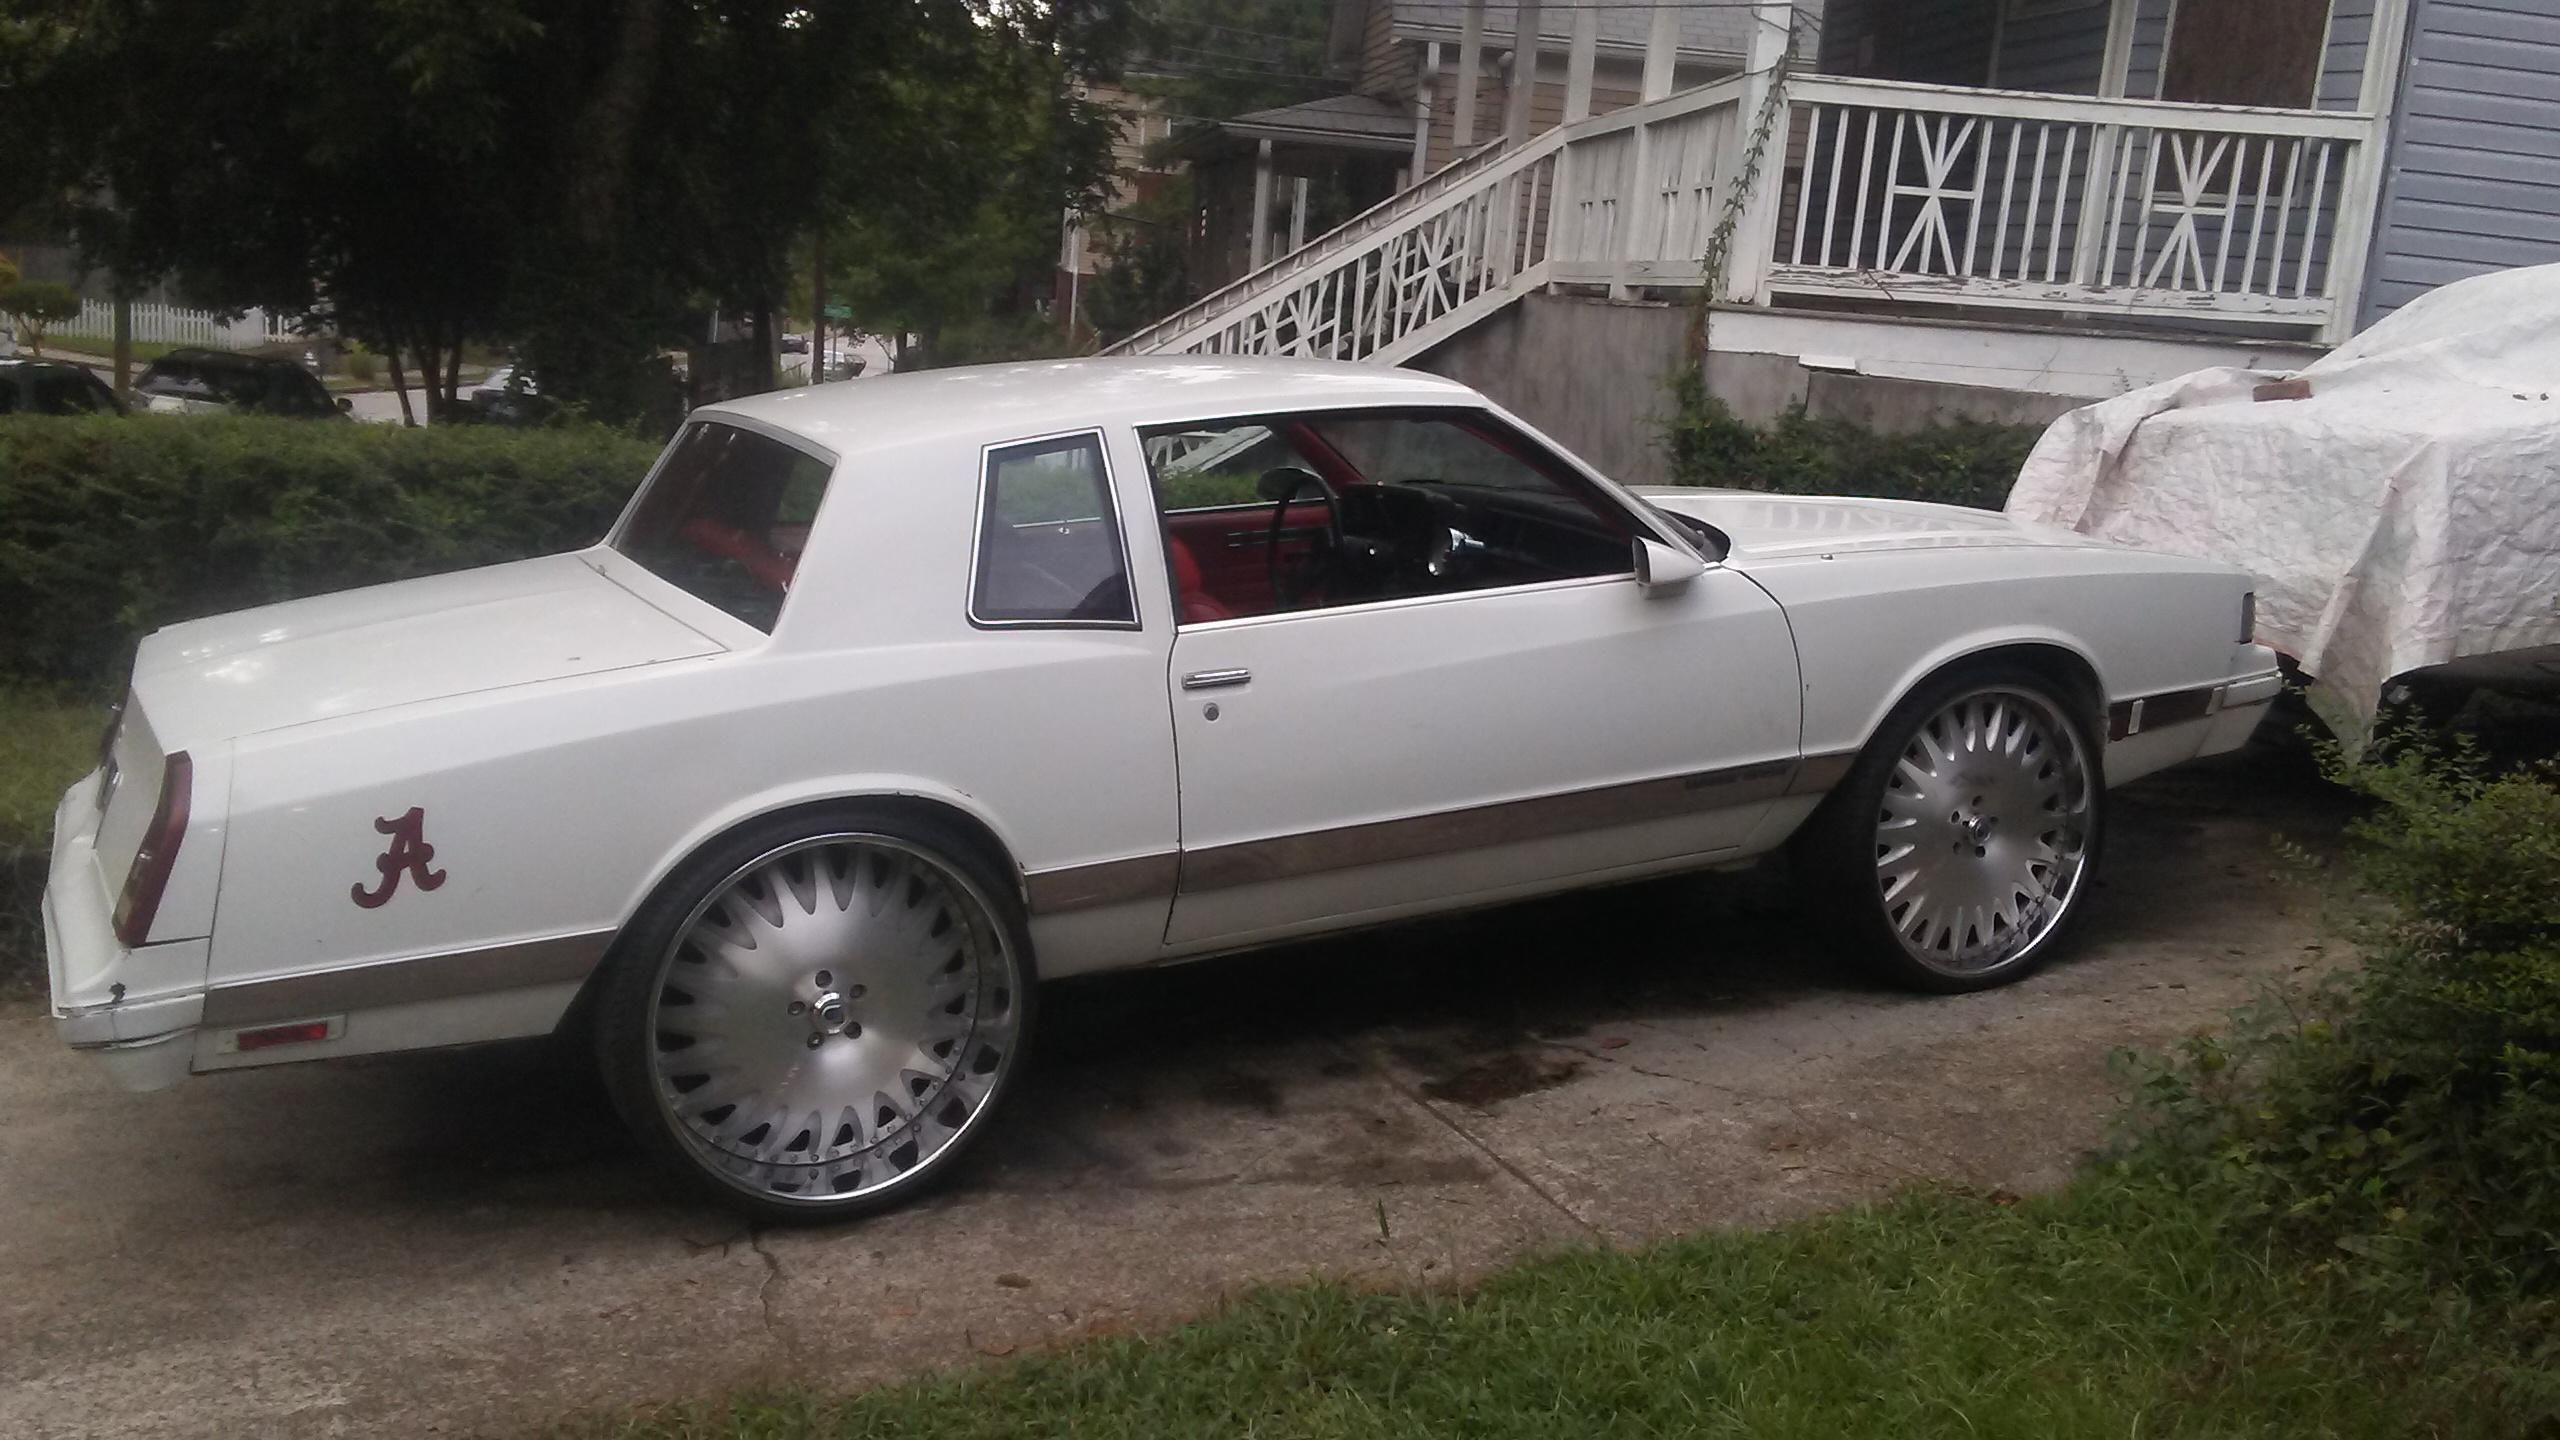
(816,1017)
(1957,851)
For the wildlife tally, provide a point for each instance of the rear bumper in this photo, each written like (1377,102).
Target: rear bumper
(135,1010)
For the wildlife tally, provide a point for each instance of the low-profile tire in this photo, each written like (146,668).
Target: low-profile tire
(815,1017)
(1957,853)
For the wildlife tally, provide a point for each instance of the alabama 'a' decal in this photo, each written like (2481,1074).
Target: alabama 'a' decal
(409,855)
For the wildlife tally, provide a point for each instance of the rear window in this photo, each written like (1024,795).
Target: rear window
(726,518)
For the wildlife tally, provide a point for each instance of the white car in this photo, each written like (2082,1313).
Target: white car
(883,702)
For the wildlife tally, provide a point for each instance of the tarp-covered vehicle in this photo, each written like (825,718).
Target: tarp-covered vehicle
(2399,499)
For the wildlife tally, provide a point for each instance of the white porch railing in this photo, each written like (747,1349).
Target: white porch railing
(177,325)
(2001,199)
(2052,206)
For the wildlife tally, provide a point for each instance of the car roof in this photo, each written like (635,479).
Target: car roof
(43,362)
(233,358)
(1047,397)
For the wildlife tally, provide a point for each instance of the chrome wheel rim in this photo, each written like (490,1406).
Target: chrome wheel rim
(833,1018)
(1983,833)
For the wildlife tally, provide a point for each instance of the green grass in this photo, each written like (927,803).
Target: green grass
(2117,1308)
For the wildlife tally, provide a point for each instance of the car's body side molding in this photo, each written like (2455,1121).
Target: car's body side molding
(1113,882)
(516,965)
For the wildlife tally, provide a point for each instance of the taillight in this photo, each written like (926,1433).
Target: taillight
(2249,617)
(152,863)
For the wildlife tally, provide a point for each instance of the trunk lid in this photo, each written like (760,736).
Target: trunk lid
(327,656)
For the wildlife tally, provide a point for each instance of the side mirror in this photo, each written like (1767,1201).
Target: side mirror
(1662,570)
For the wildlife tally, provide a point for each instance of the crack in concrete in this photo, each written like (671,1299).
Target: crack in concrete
(772,1276)
(1501,1162)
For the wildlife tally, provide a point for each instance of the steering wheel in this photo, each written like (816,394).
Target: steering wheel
(1282,487)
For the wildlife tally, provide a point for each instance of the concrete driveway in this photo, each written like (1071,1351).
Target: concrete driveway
(464,1243)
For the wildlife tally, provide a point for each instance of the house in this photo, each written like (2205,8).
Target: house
(1140,174)
(1422,82)
(2003,206)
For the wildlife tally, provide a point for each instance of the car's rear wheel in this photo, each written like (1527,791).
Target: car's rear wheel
(816,1018)
(1957,851)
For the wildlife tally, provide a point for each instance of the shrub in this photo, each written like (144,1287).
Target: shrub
(2408,1117)
(1958,462)
(111,527)
(37,306)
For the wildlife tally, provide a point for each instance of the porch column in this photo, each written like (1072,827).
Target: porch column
(1470,68)
(1423,94)
(1525,45)
(1661,51)
(1755,231)
(2098,198)
(1579,61)
(1297,211)
(2360,196)
(1260,250)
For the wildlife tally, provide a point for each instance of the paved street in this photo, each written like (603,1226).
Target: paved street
(464,1241)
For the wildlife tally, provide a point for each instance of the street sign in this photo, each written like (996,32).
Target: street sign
(839,312)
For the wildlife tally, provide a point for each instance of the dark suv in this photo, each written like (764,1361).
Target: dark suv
(53,387)
(185,382)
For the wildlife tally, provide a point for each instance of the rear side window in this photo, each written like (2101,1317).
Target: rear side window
(726,518)
(1049,549)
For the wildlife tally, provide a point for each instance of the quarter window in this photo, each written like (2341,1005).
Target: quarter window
(1049,550)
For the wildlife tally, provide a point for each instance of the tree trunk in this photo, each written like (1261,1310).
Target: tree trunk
(399,381)
(123,344)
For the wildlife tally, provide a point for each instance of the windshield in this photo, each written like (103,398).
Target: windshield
(726,518)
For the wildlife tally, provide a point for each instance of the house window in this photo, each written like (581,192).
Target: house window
(2245,52)
(1049,550)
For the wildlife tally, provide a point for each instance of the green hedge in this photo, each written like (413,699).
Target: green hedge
(1957,462)
(111,527)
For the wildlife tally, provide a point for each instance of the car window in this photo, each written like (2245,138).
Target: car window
(60,392)
(1369,505)
(272,387)
(726,517)
(1049,549)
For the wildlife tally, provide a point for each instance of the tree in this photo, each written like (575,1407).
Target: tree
(585,178)
(37,306)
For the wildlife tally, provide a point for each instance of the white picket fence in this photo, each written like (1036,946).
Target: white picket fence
(176,325)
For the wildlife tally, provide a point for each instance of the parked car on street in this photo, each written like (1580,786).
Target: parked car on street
(54,387)
(191,382)
(865,718)
(509,396)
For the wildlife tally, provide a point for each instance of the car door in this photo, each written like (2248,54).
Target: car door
(1432,740)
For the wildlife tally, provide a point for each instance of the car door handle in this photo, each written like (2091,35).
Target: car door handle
(1215,679)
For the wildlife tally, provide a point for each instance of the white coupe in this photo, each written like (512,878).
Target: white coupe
(884,701)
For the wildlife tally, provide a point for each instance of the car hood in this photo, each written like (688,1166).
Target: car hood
(1763,526)
(361,650)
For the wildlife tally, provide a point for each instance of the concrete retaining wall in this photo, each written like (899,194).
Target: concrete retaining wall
(1595,375)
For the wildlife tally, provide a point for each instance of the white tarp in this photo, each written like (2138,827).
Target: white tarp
(2405,514)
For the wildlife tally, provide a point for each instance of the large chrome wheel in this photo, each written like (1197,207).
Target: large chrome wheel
(828,1023)
(1967,831)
